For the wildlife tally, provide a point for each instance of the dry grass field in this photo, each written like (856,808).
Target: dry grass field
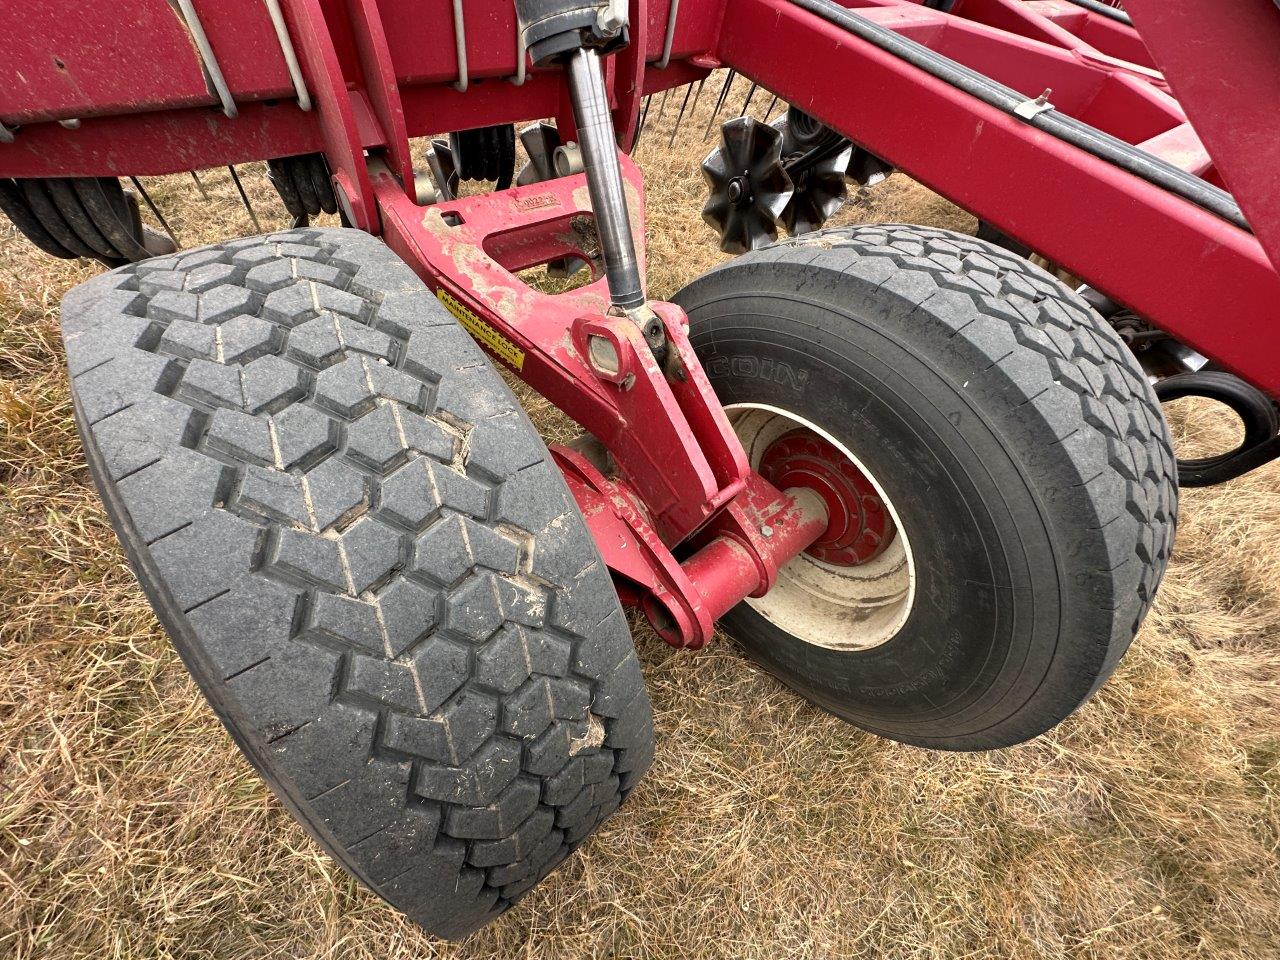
(1148,825)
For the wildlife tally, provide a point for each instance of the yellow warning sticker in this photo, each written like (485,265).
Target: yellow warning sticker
(486,333)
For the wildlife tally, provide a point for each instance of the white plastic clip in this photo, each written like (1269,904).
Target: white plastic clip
(1030,109)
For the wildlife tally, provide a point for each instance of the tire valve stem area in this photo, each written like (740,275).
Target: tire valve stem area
(859,526)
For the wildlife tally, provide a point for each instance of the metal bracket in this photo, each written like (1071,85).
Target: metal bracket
(290,55)
(1030,109)
(686,462)
(207,58)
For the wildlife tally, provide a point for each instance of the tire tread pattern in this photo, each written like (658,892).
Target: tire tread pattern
(365,556)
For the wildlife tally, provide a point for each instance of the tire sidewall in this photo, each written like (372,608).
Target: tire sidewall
(980,640)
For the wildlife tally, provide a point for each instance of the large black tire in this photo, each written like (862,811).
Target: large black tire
(1018,438)
(366,559)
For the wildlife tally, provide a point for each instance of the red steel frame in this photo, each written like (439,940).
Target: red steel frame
(685,524)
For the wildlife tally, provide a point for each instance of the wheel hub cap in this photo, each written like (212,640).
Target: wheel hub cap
(860,528)
(854,588)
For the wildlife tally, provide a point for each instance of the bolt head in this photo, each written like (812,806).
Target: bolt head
(610,20)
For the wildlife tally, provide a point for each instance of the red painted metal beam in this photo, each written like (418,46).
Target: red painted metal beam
(1063,23)
(1203,280)
(343,146)
(152,144)
(64,58)
(1223,62)
(380,85)
(1180,146)
(667,435)
(1085,84)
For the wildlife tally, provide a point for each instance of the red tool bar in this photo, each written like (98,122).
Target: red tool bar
(67,58)
(1065,24)
(1223,62)
(1204,281)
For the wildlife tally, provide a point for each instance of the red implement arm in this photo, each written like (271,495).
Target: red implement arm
(1205,281)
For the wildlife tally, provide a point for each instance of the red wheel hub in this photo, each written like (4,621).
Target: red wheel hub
(859,526)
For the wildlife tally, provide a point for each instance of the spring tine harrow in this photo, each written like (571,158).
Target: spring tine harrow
(698,94)
(662,106)
(146,197)
(204,194)
(724,93)
(644,115)
(746,104)
(688,92)
(244,197)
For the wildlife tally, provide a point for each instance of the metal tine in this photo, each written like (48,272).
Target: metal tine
(772,103)
(200,185)
(688,92)
(644,115)
(244,198)
(724,93)
(663,105)
(146,197)
(746,104)
(698,93)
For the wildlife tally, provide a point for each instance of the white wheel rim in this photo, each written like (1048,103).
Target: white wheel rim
(845,608)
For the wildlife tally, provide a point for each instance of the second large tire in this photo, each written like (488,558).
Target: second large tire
(1026,454)
(361,549)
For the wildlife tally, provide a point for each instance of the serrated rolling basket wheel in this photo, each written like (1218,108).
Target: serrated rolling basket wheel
(748,187)
(820,190)
(360,547)
(999,464)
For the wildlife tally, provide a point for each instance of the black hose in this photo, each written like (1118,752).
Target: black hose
(1104,10)
(1090,139)
(828,146)
(1254,408)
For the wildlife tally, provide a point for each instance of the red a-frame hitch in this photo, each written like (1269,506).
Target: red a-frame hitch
(682,482)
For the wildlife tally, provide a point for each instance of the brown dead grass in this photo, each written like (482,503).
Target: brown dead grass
(1145,826)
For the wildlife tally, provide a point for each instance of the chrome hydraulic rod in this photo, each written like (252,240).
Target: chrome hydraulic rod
(604,178)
